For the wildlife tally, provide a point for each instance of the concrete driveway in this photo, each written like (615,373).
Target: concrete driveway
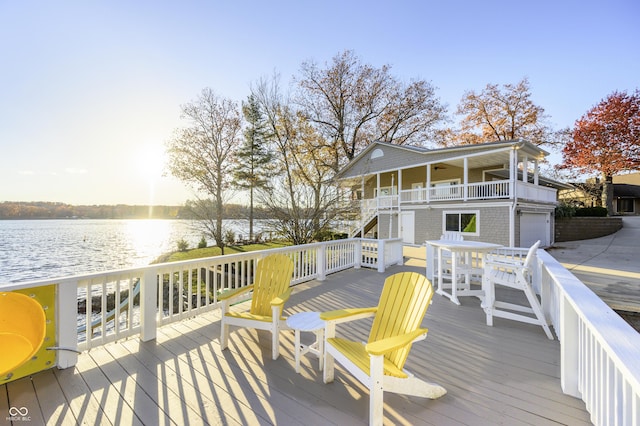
(609,265)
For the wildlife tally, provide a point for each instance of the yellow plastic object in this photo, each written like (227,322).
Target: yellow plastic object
(403,303)
(22,330)
(271,290)
(273,276)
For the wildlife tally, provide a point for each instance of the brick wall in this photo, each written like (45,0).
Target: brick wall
(584,228)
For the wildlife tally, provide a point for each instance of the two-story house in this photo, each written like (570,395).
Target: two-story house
(490,192)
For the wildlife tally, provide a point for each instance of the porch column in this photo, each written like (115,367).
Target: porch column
(525,169)
(428,183)
(513,164)
(536,171)
(377,191)
(465,186)
(399,187)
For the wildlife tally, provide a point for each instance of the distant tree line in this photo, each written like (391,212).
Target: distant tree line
(52,210)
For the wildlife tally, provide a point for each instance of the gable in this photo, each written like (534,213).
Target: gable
(382,157)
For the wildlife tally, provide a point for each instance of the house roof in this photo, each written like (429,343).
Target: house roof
(382,157)
(625,190)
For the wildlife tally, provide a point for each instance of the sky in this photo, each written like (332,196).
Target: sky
(91,91)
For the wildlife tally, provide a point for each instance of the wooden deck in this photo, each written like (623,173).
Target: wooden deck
(507,374)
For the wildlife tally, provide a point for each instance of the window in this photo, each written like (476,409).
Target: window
(625,205)
(465,222)
(377,153)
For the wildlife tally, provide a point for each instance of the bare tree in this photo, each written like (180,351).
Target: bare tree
(200,154)
(301,198)
(353,104)
(502,113)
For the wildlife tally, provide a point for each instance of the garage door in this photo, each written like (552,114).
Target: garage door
(534,227)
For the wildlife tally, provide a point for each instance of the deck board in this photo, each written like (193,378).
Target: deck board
(505,374)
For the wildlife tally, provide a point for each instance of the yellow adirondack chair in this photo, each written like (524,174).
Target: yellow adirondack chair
(22,330)
(379,364)
(270,292)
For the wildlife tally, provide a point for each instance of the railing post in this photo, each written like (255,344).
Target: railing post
(381,251)
(429,261)
(321,256)
(357,262)
(67,323)
(569,349)
(148,305)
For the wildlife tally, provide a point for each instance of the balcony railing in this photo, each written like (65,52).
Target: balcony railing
(472,191)
(598,350)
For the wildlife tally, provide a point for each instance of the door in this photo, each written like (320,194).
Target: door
(407,227)
(534,227)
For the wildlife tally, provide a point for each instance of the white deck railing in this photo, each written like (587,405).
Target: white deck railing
(600,352)
(599,355)
(98,308)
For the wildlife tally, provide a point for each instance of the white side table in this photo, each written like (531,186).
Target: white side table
(307,321)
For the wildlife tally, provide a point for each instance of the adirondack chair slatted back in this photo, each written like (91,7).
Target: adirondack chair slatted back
(452,236)
(272,277)
(403,303)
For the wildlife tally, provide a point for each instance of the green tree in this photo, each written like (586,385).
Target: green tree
(201,155)
(253,159)
(606,140)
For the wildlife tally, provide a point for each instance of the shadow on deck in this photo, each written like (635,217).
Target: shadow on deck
(506,374)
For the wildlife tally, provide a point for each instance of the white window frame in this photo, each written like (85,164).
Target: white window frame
(459,212)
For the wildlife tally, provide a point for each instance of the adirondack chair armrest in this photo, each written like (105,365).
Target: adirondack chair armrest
(280,300)
(349,314)
(230,294)
(389,344)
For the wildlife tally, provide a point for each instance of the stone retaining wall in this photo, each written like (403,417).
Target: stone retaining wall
(584,228)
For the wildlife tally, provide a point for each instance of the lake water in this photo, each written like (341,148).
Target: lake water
(41,249)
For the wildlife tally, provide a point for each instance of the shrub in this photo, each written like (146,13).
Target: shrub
(229,237)
(183,245)
(565,210)
(202,243)
(592,212)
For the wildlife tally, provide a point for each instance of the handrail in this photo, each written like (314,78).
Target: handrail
(186,288)
(599,351)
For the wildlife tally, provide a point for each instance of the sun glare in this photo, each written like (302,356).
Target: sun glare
(150,163)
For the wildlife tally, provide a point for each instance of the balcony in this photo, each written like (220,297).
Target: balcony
(493,190)
(162,364)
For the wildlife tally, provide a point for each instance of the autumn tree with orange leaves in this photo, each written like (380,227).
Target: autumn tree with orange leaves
(500,114)
(606,141)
